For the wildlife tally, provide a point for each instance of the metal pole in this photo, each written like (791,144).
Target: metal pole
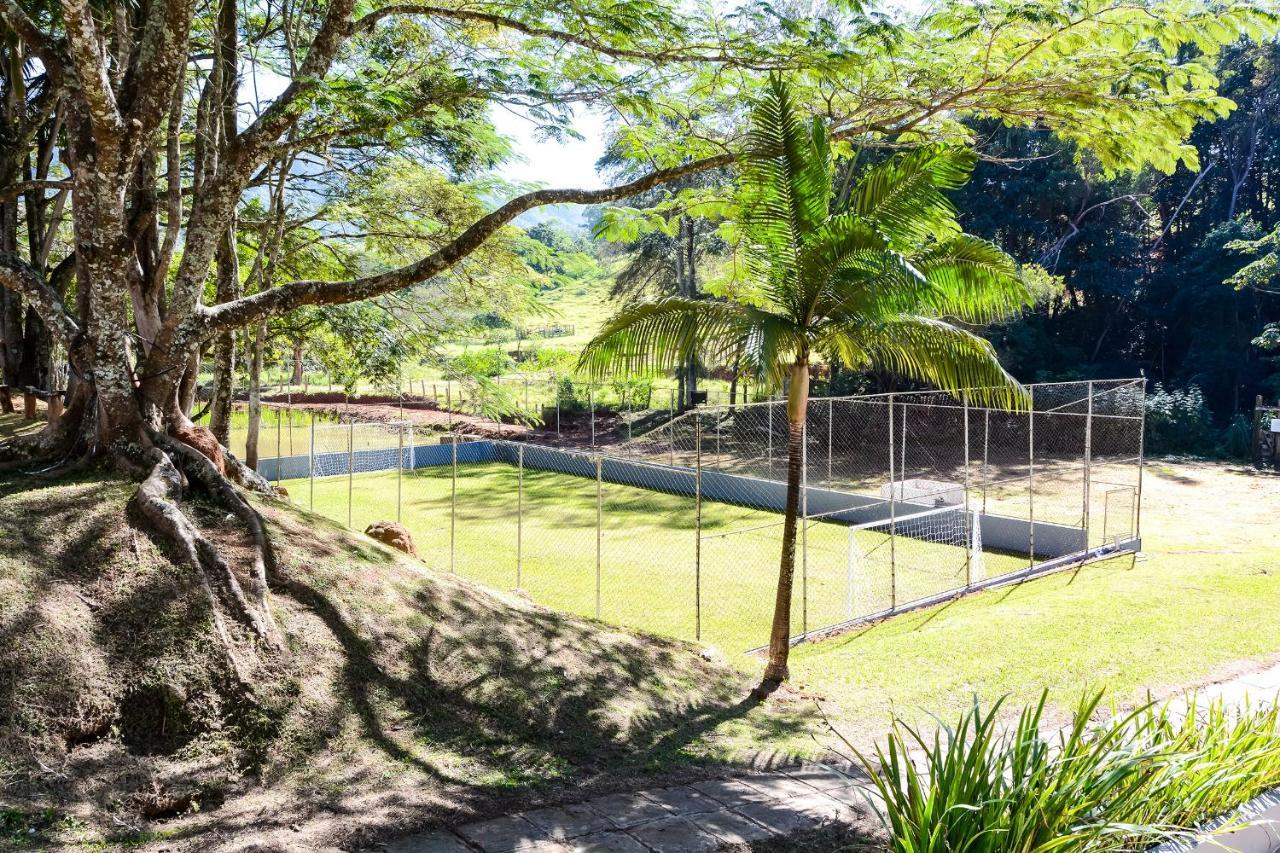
(968,551)
(311,462)
(986,446)
(453,506)
(1088,462)
(697,529)
(520,517)
(351,464)
(279,452)
(1031,478)
(1142,449)
(399,468)
(830,426)
(893,567)
(804,528)
(591,405)
(671,428)
(599,528)
(769,408)
(555,390)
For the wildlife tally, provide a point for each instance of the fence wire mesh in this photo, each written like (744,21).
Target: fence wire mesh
(901,499)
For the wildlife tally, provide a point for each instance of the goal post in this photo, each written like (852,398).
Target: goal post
(931,544)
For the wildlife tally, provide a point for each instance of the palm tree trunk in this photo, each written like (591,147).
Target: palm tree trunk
(780,635)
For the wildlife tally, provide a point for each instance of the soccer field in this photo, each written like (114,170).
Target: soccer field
(639,566)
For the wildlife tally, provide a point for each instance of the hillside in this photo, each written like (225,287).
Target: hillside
(405,696)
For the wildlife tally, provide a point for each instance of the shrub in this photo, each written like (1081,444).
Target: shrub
(1111,786)
(1178,421)
(481,362)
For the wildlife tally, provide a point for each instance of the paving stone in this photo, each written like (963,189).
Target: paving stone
(568,821)
(857,795)
(684,800)
(1268,679)
(730,827)
(823,808)
(628,810)
(779,786)
(822,778)
(675,835)
(776,817)
(432,842)
(606,842)
(731,792)
(504,835)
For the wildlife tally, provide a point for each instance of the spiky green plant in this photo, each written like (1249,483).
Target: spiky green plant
(1117,784)
(871,275)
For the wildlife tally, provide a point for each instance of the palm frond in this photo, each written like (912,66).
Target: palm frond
(650,336)
(903,194)
(934,351)
(973,280)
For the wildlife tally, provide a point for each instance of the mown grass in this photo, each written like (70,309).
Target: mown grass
(647,572)
(1199,598)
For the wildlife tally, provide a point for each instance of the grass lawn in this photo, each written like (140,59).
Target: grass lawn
(646,550)
(1199,598)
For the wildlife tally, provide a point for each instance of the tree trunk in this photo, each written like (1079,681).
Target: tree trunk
(780,635)
(255,398)
(297,377)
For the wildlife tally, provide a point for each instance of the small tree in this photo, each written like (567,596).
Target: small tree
(869,275)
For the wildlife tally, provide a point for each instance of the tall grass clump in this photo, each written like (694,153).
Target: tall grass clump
(987,786)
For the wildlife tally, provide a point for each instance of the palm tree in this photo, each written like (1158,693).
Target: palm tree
(870,273)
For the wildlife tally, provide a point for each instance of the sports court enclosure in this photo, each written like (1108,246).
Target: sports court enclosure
(907,499)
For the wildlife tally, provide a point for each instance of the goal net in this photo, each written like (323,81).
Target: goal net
(891,562)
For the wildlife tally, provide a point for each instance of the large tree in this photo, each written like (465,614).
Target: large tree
(153,123)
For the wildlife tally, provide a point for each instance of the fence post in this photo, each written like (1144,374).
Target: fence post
(1088,462)
(1142,449)
(311,462)
(453,505)
(986,447)
(399,468)
(279,451)
(968,551)
(831,410)
(599,528)
(526,393)
(351,464)
(769,409)
(520,517)
(555,392)
(1031,479)
(591,406)
(413,461)
(893,521)
(804,528)
(697,529)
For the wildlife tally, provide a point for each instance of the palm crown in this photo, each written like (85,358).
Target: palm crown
(870,275)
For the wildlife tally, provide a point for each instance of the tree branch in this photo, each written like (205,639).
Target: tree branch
(285,298)
(19,187)
(91,70)
(17,275)
(682,54)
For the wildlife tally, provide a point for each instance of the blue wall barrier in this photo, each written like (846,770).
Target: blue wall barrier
(835,507)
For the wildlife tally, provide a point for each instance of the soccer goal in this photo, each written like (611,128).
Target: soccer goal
(906,557)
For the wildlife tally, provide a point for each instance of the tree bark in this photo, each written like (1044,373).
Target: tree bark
(780,634)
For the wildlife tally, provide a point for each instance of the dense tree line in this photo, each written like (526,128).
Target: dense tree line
(1144,260)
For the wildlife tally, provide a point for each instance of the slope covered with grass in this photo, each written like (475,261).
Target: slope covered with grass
(404,697)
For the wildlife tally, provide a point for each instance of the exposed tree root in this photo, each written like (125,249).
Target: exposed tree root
(201,469)
(156,502)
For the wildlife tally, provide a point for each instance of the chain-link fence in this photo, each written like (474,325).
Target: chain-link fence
(901,500)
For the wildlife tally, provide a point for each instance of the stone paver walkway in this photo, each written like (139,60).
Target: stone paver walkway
(708,815)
